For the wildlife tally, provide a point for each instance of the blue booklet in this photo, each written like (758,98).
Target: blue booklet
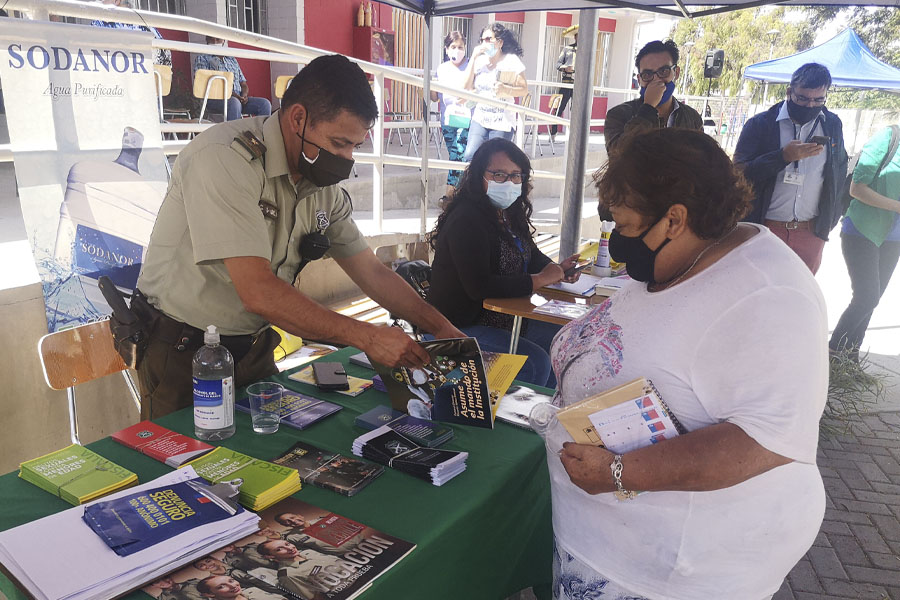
(422,431)
(139,520)
(297,410)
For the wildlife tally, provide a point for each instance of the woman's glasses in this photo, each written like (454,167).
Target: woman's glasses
(503,176)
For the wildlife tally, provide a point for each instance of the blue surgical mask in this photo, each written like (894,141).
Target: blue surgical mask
(490,51)
(670,89)
(502,195)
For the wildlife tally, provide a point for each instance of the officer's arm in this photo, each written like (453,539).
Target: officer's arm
(390,291)
(281,304)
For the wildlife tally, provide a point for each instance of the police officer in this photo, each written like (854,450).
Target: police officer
(245,199)
(565,64)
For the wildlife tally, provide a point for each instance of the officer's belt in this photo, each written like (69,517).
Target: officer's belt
(181,336)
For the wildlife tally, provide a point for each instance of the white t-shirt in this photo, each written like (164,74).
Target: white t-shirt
(453,76)
(744,342)
(492,117)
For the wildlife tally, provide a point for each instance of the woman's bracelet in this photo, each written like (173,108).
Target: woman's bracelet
(616,468)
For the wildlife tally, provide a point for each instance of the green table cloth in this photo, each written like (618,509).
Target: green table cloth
(484,535)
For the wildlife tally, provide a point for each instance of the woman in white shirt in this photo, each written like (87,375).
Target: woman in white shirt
(495,70)
(455,115)
(730,326)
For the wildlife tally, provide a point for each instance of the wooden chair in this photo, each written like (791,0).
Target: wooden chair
(213,85)
(78,355)
(281,85)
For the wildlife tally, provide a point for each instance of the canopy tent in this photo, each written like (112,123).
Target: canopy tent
(678,8)
(851,64)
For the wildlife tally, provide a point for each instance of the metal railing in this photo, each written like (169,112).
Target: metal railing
(277,50)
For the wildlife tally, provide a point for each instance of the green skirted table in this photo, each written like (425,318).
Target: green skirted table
(484,535)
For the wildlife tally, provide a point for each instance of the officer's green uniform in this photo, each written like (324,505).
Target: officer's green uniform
(229,199)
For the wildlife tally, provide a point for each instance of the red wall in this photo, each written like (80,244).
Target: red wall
(606,25)
(559,19)
(598,111)
(510,17)
(329,23)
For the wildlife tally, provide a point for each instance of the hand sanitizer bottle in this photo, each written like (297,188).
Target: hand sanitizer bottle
(213,380)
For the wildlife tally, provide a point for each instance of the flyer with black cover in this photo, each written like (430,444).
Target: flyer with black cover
(304,553)
(422,431)
(389,447)
(329,470)
(452,387)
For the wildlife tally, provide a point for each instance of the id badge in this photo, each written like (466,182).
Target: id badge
(793,178)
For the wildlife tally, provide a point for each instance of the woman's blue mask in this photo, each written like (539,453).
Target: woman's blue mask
(490,51)
(670,89)
(502,195)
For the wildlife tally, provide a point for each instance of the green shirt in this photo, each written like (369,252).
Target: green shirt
(876,223)
(212,212)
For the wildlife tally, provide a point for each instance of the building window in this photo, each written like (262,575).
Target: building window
(249,15)
(462,25)
(170,7)
(554,42)
(516,29)
(601,60)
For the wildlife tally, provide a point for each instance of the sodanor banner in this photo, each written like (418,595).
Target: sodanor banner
(84,129)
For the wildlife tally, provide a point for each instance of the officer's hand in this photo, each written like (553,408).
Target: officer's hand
(654,92)
(391,346)
(570,69)
(797,150)
(448,332)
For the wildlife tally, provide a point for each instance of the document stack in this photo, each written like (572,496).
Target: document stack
(76,563)
(388,447)
(263,483)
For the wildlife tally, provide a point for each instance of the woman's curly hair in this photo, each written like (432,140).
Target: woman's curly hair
(651,171)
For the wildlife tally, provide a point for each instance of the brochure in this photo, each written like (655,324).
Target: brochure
(296,410)
(329,470)
(160,443)
(421,431)
(262,483)
(76,474)
(388,447)
(303,553)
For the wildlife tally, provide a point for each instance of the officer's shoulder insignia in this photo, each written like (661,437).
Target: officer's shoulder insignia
(248,145)
(269,211)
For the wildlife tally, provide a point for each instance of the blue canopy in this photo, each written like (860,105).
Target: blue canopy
(851,64)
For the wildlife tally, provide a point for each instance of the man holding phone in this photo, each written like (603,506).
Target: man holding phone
(793,154)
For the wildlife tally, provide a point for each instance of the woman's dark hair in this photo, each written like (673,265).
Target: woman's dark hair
(453,36)
(470,192)
(510,44)
(330,84)
(649,172)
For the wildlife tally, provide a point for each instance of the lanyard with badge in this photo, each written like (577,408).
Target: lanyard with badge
(795,177)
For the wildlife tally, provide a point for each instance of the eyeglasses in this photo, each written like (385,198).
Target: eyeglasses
(820,101)
(662,73)
(503,176)
(488,40)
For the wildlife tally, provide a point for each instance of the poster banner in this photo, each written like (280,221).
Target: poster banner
(84,130)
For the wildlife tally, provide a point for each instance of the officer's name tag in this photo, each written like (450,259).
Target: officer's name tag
(793,178)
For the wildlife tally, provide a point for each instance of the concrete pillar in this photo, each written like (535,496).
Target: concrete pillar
(286,22)
(621,60)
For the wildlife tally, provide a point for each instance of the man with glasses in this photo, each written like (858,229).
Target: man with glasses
(656,108)
(793,154)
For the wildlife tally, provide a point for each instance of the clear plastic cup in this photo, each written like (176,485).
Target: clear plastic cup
(265,402)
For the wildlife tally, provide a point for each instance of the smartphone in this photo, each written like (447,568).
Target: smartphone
(572,270)
(821,140)
(330,376)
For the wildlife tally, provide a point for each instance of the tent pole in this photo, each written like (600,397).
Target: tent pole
(578,134)
(426,119)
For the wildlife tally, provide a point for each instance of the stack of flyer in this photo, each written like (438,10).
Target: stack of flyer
(76,563)
(76,474)
(421,431)
(263,483)
(388,447)
(160,443)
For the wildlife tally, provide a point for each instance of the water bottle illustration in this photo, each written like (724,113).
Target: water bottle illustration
(105,221)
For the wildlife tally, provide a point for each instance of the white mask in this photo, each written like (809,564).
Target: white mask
(456,54)
(502,195)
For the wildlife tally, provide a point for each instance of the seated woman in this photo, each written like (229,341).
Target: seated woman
(483,249)
(731,328)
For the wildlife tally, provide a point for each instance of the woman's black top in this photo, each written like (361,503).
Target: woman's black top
(474,259)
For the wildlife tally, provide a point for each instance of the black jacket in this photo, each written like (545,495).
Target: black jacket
(758,155)
(634,115)
(466,267)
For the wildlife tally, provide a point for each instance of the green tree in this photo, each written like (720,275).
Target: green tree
(744,37)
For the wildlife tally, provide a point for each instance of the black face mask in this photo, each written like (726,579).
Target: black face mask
(802,114)
(326,169)
(639,259)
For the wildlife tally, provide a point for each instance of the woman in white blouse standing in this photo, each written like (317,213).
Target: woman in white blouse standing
(455,115)
(497,71)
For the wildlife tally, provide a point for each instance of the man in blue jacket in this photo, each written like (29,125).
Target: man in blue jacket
(793,154)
